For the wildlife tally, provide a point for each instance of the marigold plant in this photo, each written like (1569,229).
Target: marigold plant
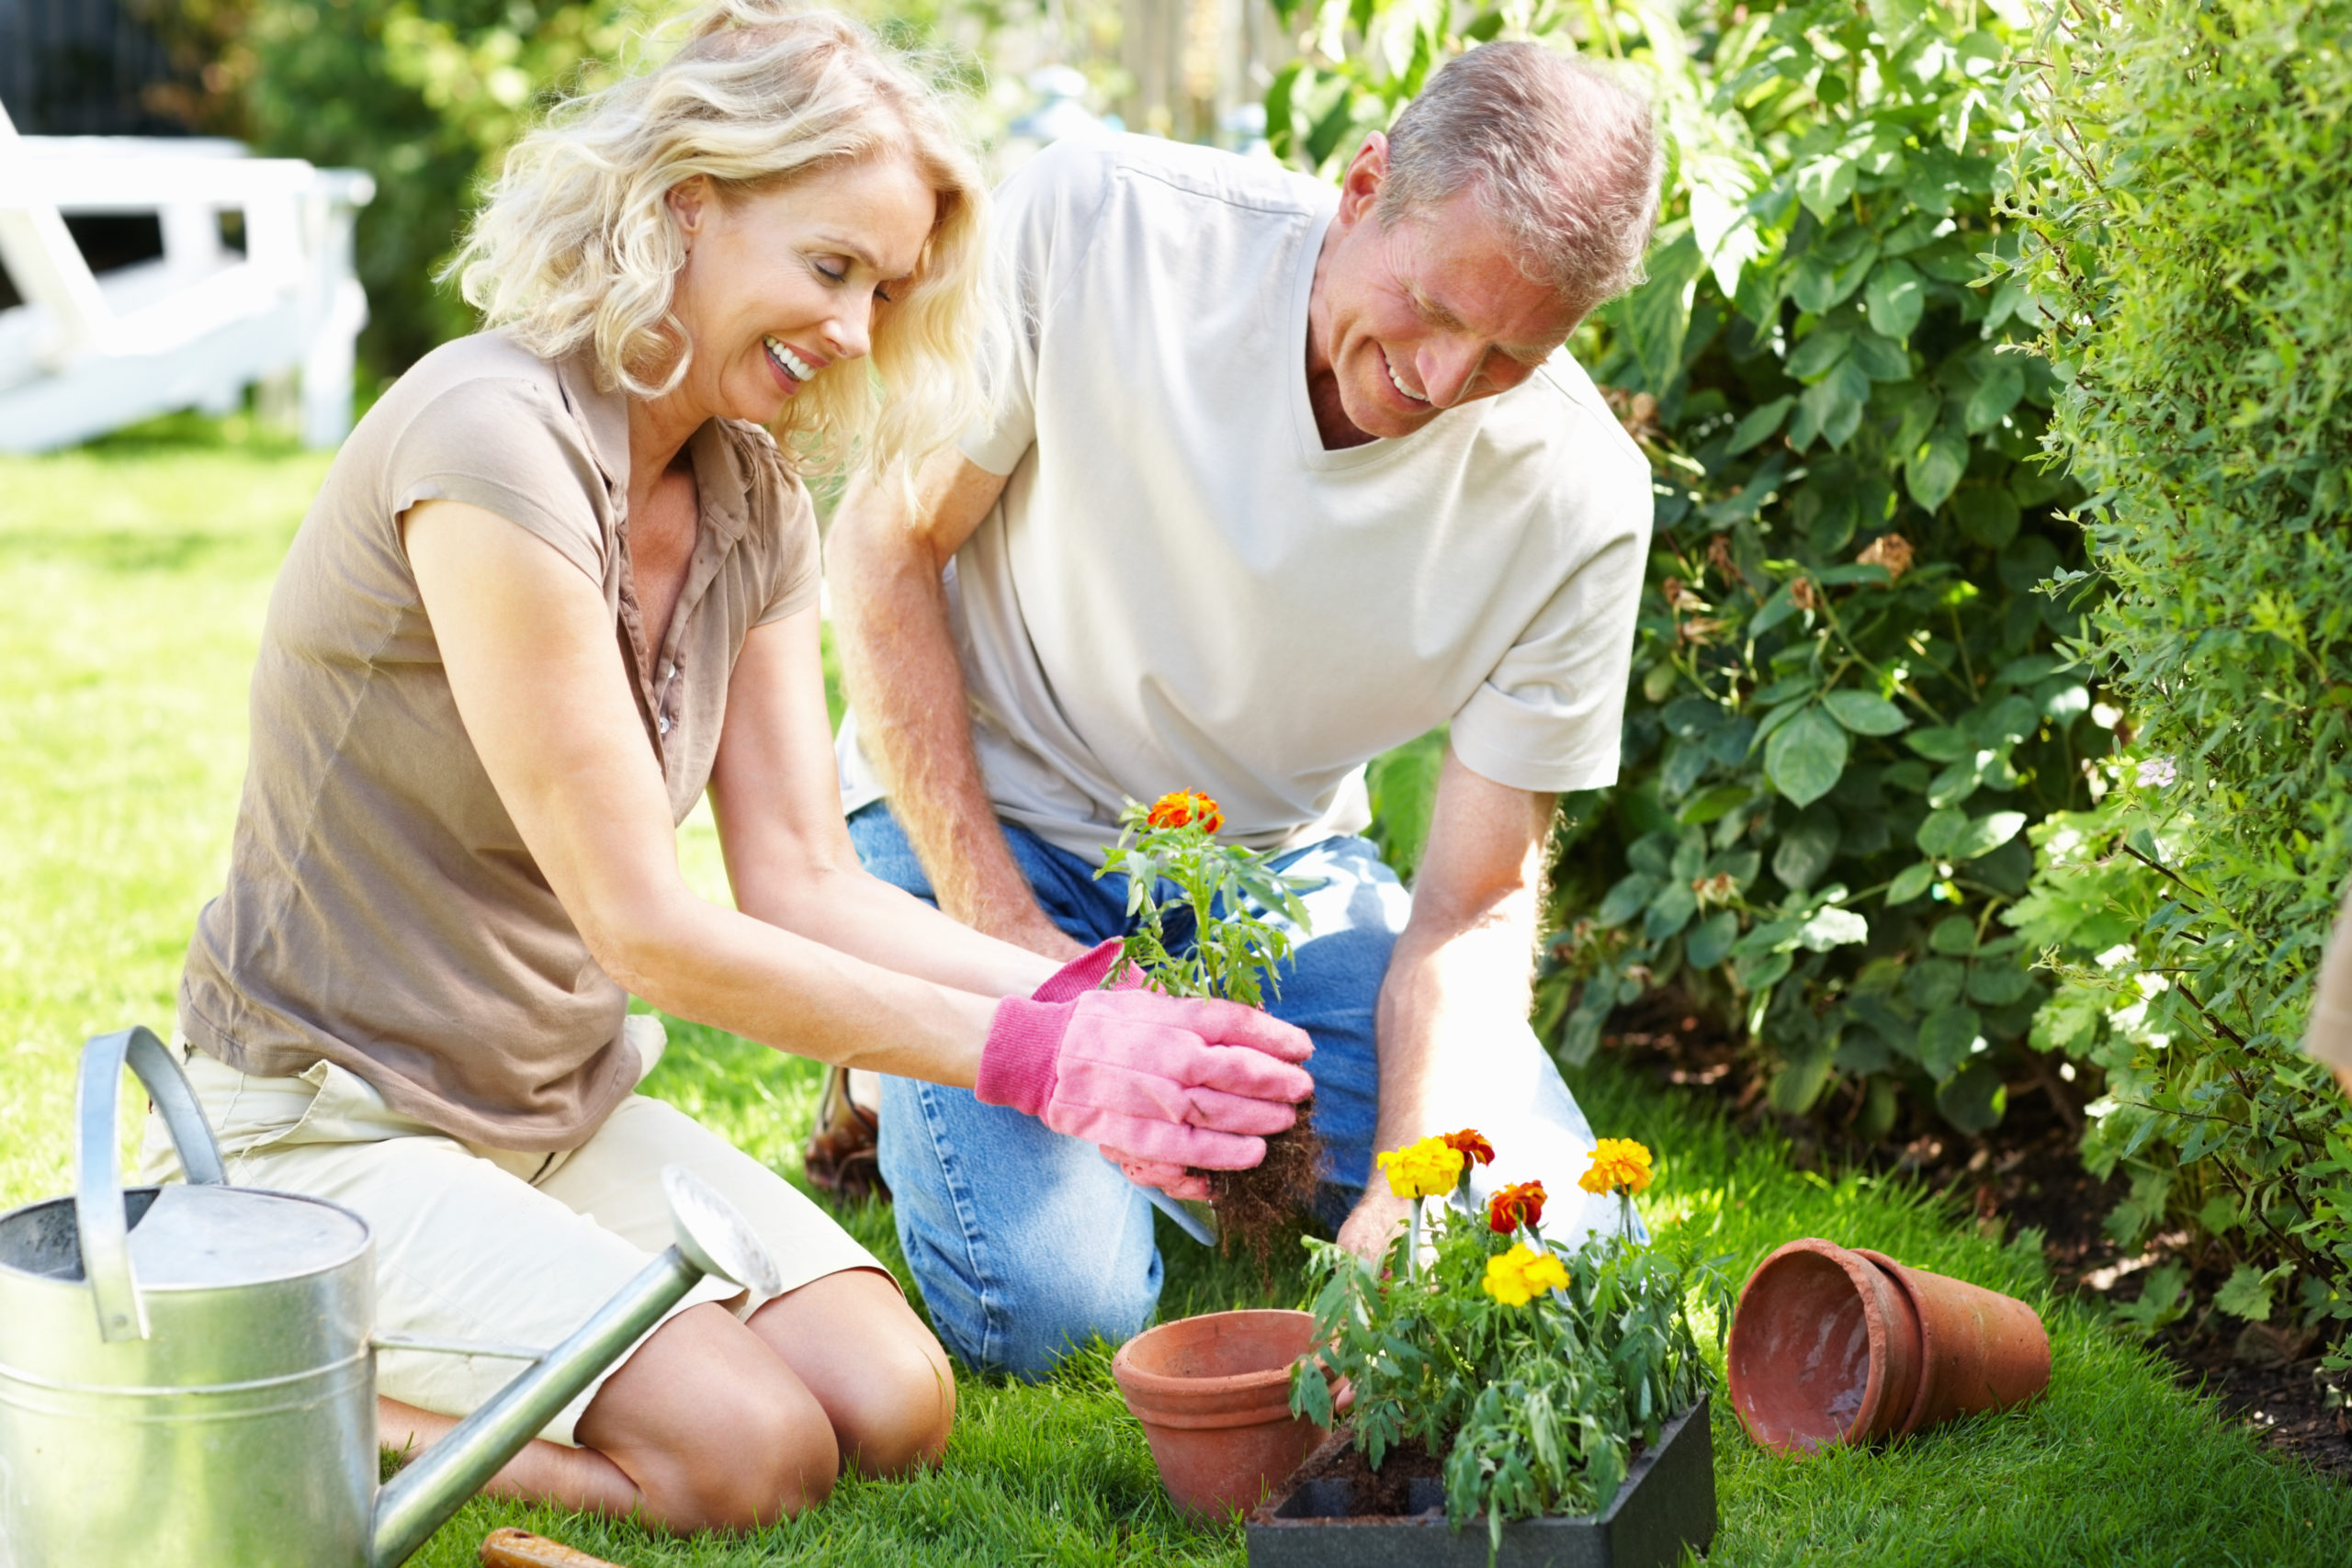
(1535,1370)
(1183,884)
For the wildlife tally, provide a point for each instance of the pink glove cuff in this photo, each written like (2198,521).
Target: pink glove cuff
(1018,1064)
(1084,974)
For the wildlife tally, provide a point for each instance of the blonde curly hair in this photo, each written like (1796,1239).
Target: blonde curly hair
(576,247)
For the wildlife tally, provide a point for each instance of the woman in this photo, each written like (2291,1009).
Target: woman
(557,582)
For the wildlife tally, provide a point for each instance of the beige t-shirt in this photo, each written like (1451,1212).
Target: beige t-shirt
(2328,1035)
(381,912)
(1182,589)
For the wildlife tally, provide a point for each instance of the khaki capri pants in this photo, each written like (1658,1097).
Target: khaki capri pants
(491,1244)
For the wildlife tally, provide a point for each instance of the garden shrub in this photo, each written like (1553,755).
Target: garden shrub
(1849,701)
(2187,193)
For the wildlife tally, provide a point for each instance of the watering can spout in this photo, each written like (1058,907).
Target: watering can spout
(711,1239)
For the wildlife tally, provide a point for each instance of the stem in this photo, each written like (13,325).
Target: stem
(1413,1243)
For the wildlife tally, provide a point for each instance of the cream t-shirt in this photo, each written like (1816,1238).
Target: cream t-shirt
(1182,589)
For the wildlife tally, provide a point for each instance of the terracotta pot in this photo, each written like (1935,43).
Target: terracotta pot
(1831,1345)
(1212,1393)
(1978,1348)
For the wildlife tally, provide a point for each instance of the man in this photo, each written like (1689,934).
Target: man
(1283,477)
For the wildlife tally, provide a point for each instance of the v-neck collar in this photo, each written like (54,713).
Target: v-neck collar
(721,518)
(1311,450)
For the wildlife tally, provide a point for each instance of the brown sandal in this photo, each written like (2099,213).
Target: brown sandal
(842,1156)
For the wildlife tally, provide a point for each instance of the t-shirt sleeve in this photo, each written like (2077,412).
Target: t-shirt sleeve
(503,446)
(799,569)
(1041,215)
(1547,717)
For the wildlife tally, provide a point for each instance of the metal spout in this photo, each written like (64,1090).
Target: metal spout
(712,1239)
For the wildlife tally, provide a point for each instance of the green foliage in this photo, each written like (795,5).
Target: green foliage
(2185,195)
(1536,1405)
(425,94)
(1848,700)
(1176,869)
(1402,785)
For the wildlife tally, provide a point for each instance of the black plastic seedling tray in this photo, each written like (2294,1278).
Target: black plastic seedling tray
(1667,1503)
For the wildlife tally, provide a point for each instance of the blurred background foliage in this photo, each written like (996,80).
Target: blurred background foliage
(2184,190)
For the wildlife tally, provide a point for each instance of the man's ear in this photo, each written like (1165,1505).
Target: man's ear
(1367,171)
(688,201)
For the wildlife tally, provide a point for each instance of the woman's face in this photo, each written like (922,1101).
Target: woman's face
(777,287)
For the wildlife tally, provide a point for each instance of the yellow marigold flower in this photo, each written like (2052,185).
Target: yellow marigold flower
(1426,1169)
(1518,1277)
(1618,1165)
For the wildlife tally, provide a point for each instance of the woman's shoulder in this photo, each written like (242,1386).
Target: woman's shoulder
(775,495)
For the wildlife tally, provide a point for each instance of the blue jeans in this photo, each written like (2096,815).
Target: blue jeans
(1026,1243)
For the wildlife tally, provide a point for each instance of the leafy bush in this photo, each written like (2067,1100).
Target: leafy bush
(2187,195)
(1847,701)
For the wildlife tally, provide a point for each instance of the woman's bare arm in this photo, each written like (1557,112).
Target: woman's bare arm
(539,684)
(777,797)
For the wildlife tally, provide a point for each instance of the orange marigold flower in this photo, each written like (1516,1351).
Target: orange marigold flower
(1471,1145)
(1520,1203)
(1618,1165)
(1186,808)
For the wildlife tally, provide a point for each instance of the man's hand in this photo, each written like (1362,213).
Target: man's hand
(1463,965)
(1373,1224)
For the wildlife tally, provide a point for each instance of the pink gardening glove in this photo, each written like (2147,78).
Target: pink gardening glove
(1084,974)
(1076,978)
(1170,1081)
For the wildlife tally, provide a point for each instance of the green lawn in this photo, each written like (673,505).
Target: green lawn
(134,579)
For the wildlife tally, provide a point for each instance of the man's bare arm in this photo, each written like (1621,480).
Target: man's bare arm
(884,560)
(1464,962)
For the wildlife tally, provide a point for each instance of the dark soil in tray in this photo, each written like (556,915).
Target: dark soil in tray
(1378,1491)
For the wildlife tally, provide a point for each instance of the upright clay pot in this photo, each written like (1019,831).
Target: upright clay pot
(1212,1393)
(1831,1345)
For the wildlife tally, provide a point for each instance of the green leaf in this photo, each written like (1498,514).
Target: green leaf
(1818,351)
(1670,911)
(2245,1294)
(1996,394)
(1998,985)
(1758,425)
(1942,744)
(1948,1038)
(1935,469)
(1894,298)
(1805,756)
(1629,898)
(1909,883)
(1657,316)
(1955,935)
(1865,713)
(1976,1100)
(1954,784)
(1939,832)
(1986,833)
(1806,847)
(1880,358)
(1708,804)
(1709,941)
(1824,183)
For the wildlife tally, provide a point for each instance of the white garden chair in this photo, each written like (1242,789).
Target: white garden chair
(88,353)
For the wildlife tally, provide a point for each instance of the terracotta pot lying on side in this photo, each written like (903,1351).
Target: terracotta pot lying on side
(1212,1393)
(1837,1346)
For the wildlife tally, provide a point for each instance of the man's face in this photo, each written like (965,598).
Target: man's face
(1425,315)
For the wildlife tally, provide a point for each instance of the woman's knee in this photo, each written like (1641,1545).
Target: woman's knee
(715,1431)
(897,1416)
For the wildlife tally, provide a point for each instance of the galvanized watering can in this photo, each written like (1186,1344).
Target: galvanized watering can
(188,1374)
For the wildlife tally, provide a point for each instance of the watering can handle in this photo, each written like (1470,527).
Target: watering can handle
(97,1181)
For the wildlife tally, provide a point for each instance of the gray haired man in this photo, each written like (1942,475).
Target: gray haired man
(1282,477)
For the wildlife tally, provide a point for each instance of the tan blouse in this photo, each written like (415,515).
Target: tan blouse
(381,912)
